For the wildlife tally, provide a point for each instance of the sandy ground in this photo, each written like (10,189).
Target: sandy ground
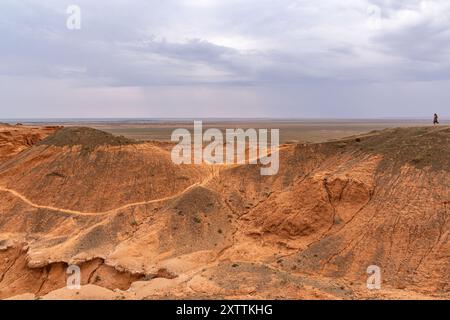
(140,227)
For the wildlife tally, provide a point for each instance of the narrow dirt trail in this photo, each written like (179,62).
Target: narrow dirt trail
(215,172)
(112,211)
(29,202)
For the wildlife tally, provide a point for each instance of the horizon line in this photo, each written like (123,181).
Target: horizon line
(214,118)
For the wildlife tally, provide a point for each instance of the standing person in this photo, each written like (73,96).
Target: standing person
(435,120)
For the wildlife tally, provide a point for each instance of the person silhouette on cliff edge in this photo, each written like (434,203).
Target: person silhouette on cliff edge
(435,119)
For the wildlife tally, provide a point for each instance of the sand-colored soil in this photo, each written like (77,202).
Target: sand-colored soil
(141,227)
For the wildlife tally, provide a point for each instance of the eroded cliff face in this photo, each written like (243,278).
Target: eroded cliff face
(14,139)
(141,227)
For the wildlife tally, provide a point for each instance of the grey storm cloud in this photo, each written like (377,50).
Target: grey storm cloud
(229,47)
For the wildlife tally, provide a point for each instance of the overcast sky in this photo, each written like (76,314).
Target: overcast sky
(225,58)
